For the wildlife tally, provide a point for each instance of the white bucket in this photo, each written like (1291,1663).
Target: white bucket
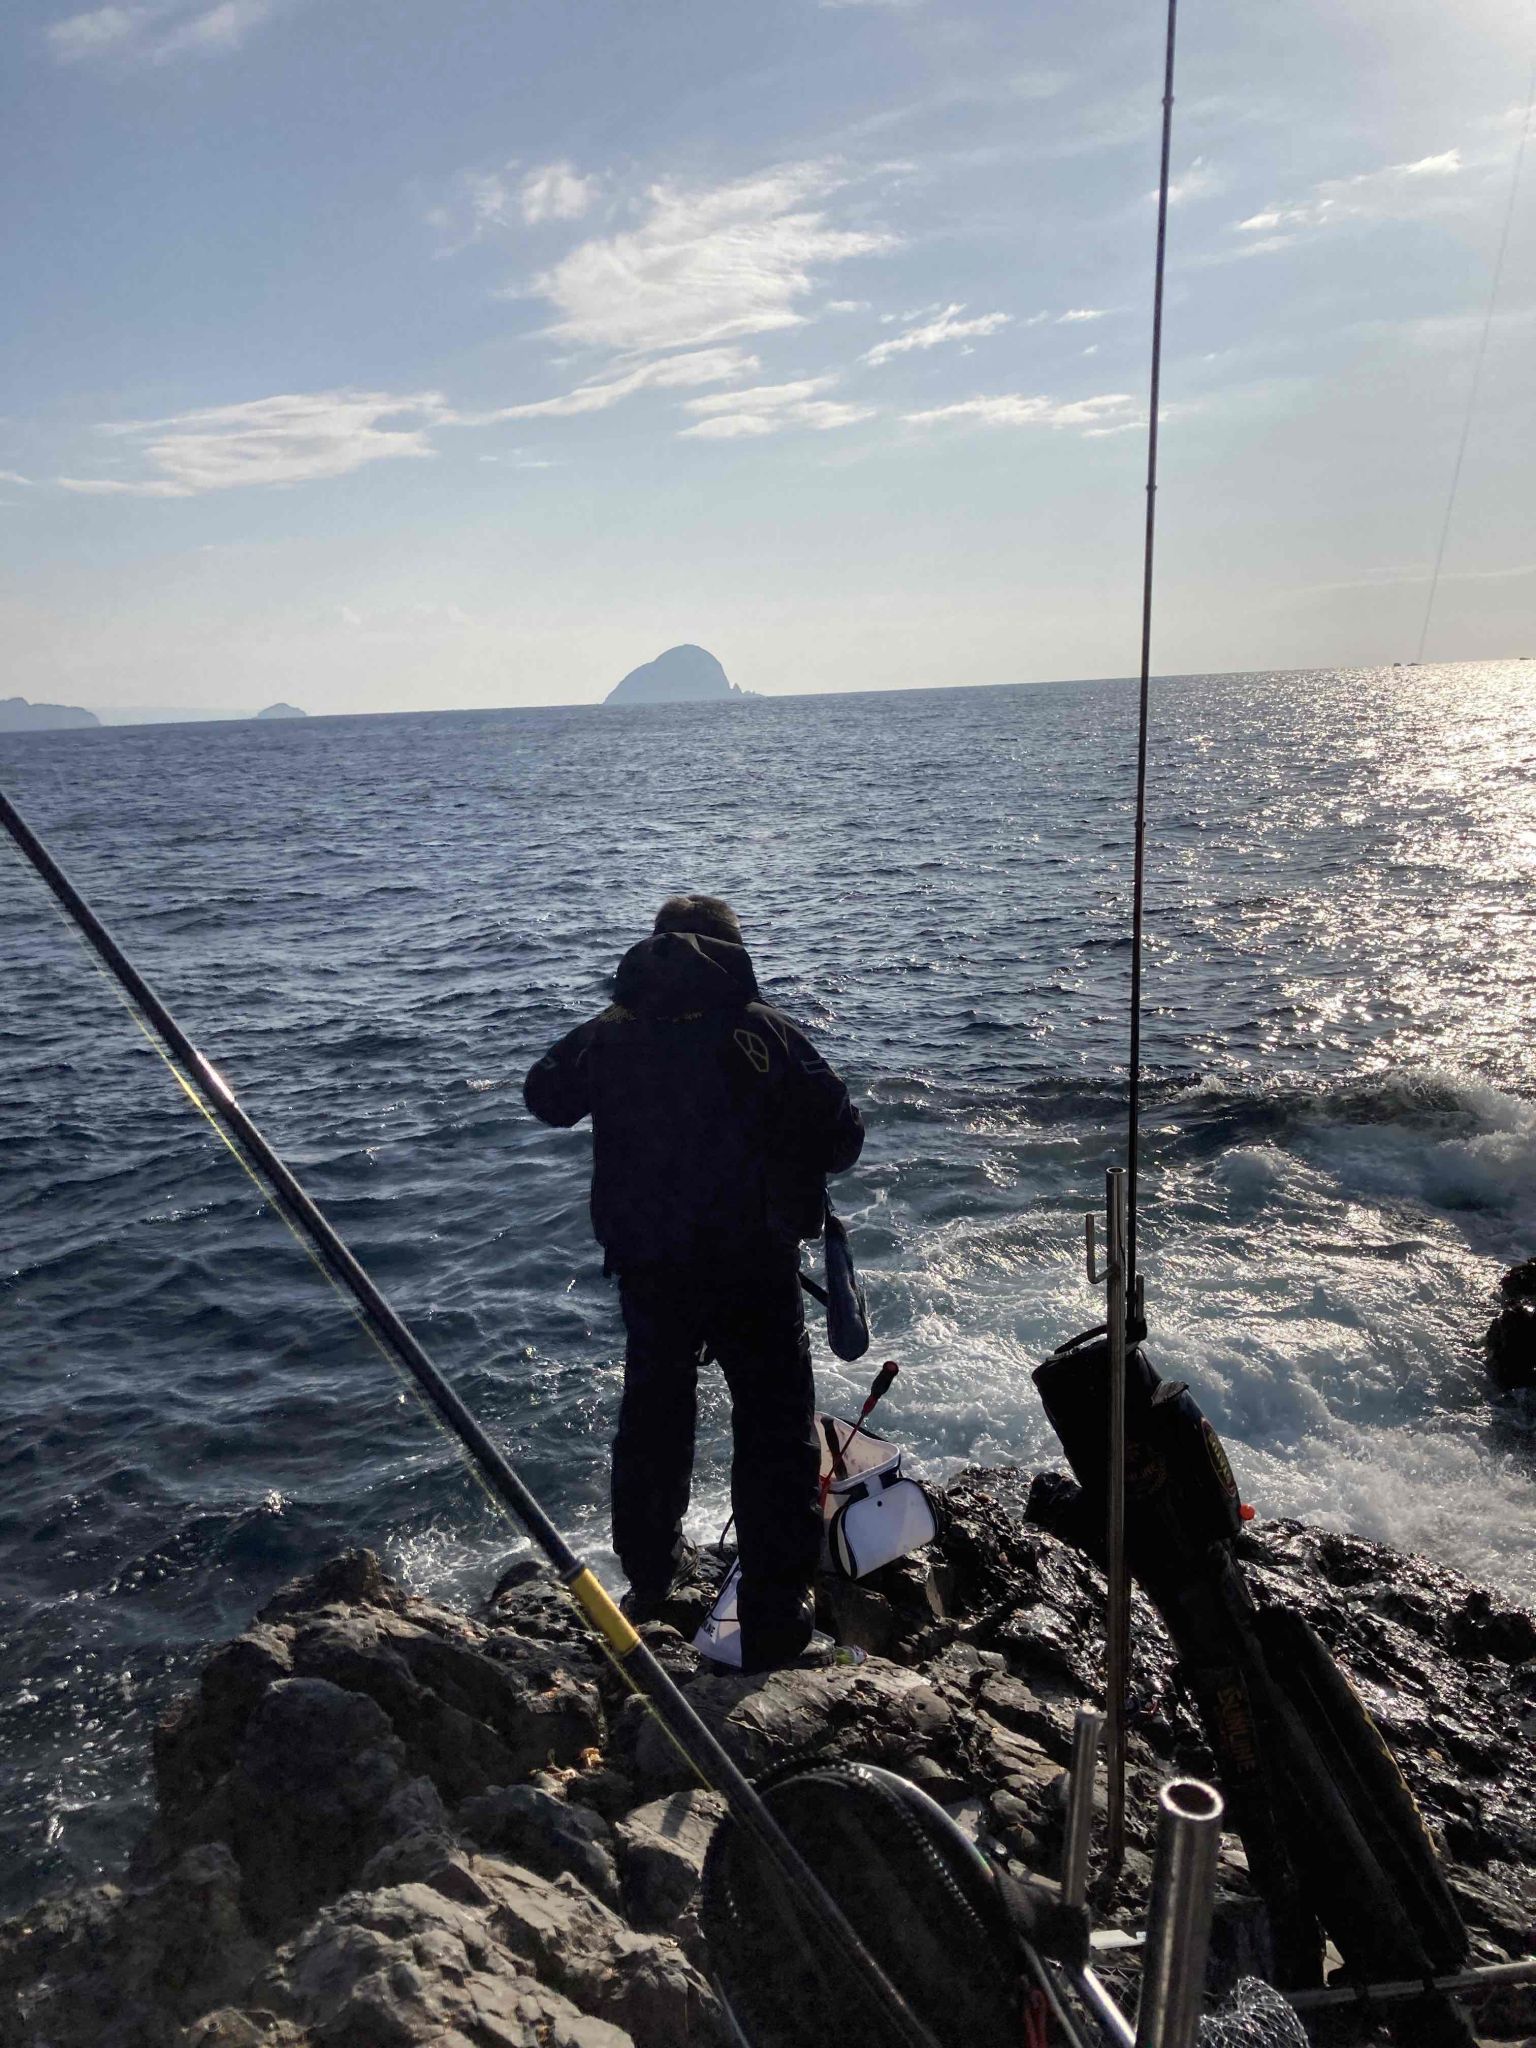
(874,1514)
(882,1517)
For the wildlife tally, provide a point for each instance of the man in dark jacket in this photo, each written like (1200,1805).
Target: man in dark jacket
(714,1124)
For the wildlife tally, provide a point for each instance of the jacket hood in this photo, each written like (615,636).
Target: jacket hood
(675,972)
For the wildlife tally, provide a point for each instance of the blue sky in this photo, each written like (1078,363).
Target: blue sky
(391,354)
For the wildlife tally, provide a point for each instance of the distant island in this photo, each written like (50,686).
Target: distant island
(17,715)
(683,675)
(282,711)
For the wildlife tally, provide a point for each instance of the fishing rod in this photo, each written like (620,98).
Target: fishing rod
(1477,368)
(213,1095)
(1139,866)
(1124,1294)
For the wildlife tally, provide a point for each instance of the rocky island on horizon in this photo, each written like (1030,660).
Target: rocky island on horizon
(17,715)
(281,710)
(682,675)
(379,1820)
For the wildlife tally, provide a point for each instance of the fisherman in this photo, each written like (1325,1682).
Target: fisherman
(714,1125)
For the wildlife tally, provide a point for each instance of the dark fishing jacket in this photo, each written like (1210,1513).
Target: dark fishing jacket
(714,1119)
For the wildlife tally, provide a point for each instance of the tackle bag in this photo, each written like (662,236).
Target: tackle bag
(959,1939)
(1332,1832)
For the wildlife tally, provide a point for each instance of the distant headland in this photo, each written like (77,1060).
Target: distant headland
(282,711)
(17,715)
(683,675)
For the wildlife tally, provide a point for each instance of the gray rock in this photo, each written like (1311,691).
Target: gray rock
(606,1791)
(877,1711)
(661,1851)
(1510,1341)
(641,1982)
(116,1969)
(317,1767)
(341,1772)
(228,2028)
(471,1713)
(855,1614)
(394,1968)
(545,1834)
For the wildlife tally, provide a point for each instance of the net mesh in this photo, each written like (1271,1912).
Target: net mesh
(1252,2015)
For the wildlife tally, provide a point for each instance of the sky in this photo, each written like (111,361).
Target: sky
(385,355)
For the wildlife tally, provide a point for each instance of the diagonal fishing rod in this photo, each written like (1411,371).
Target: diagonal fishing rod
(638,1665)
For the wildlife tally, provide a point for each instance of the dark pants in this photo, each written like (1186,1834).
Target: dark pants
(750,1318)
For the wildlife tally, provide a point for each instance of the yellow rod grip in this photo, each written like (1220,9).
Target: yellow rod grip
(604,1613)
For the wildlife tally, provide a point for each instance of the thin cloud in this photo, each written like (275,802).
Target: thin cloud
(1418,573)
(1395,192)
(706,264)
(947,327)
(309,437)
(555,192)
(296,438)
(114,487)
(218,28)
(509,198)
(702,366)
(771,409)
(160,32)
(1201,181)
(88,35)
(13,476)
(1109,413)
(1077,313)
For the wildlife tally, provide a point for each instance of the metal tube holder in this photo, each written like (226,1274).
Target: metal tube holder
(1179,1927)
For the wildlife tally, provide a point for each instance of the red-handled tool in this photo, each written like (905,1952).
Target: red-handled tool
(880,1386)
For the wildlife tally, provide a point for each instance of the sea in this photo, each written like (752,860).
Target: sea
(374,925)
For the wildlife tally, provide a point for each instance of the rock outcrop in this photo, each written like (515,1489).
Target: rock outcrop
(282,711)
(683,675)
(1510,1342)
(382,1822)
(17,715)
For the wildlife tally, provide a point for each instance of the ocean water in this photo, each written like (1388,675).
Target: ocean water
(373,926)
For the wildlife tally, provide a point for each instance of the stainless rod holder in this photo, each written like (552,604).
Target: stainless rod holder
(1179,1928)
(1111,2019)
(1086,1730)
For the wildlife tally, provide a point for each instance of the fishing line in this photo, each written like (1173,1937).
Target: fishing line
(1477,368)
(207,1088)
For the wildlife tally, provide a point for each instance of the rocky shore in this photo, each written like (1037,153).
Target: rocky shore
(381,1823)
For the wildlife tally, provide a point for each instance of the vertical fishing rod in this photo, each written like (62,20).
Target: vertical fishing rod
(1123,1293)
(213,1095)
(1477,368)
(1138,879)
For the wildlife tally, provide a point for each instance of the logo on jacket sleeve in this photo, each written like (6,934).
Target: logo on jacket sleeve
(754,1048)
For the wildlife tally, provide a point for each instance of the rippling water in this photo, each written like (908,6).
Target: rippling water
(373,925)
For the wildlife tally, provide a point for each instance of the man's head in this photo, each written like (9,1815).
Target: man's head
(711,917)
